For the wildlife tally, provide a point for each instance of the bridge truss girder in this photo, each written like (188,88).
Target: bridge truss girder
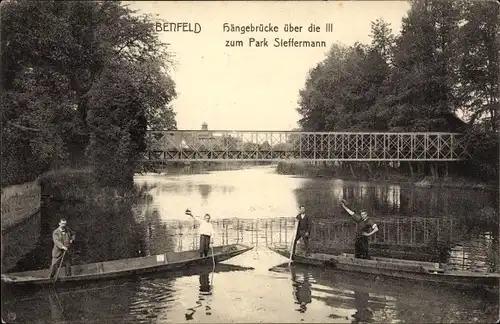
(164,146)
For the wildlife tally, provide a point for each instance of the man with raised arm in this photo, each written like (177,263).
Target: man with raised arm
(206,232)
(366,228)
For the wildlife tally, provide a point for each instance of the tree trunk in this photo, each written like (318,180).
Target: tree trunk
(369,167)
(412,176)
(434,171)
(352,171)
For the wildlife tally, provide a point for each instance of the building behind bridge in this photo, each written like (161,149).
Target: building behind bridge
(198,140)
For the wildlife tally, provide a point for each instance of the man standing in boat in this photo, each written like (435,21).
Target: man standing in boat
(206,232)
(366,228)
(63,237)
(303,229)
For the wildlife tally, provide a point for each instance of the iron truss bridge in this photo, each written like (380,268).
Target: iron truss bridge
(165,146)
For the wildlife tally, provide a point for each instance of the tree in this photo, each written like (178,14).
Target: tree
(424,74)
(479,63)
(446,59)
(312,105)
(341,91)
(320,101)
(382,39)
(58,59)
(366,72)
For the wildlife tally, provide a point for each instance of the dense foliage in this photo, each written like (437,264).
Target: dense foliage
(443,65)
(80,77)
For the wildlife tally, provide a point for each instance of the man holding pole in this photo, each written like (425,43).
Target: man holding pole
(304,227)
(206,232)
(63,237)
(366,228)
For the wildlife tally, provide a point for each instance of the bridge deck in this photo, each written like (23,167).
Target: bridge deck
(307,146)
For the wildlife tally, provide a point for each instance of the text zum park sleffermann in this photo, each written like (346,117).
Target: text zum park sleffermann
(255,28)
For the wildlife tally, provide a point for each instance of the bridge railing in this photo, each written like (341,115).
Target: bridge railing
(314,146)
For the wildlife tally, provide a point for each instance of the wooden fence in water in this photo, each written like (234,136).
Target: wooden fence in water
(409,237)
(401,232)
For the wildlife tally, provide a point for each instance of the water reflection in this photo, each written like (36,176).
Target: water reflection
(21,241)
(458,225)
(126,300)
(366,298)
(205,190)
(323,200)
(56,308)
(107,301)
(224,194)
(425,239)
(106,230)
(301,288)
(363,312)
(159,236)
(480,252)
(204,297)
(143,232)
(152,299)
(242,194)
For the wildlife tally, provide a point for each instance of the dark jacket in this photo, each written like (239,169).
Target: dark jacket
(363,226)
(305,224)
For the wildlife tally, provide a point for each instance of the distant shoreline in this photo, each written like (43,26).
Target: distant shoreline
(61,184)
(329,172)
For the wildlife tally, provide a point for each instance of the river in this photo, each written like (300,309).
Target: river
(255,206)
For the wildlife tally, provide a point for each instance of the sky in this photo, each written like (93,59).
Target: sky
(255,88)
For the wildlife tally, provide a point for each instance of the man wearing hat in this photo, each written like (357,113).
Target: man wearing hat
(366,228)
(62,236)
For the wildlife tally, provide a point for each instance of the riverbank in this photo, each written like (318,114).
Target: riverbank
(77,185)
(80,184)
(202,167)
(68,184)
(385,175)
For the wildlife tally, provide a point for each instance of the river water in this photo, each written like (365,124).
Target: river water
(255,206)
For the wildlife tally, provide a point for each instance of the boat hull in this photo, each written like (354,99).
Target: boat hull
(126,268)
(398,268)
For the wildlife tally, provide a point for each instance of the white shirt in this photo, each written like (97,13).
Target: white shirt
(206,228)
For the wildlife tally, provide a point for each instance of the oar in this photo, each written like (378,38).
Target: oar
(59,267)
(58,301)
(292,250)
(213,263)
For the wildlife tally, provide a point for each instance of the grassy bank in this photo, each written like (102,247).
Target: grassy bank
(73,184)
(200,167)
(80,184)
(361,171)
(19,202)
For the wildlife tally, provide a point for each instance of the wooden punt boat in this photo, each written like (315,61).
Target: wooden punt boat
(127,267)
(397,268)
(15,293)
